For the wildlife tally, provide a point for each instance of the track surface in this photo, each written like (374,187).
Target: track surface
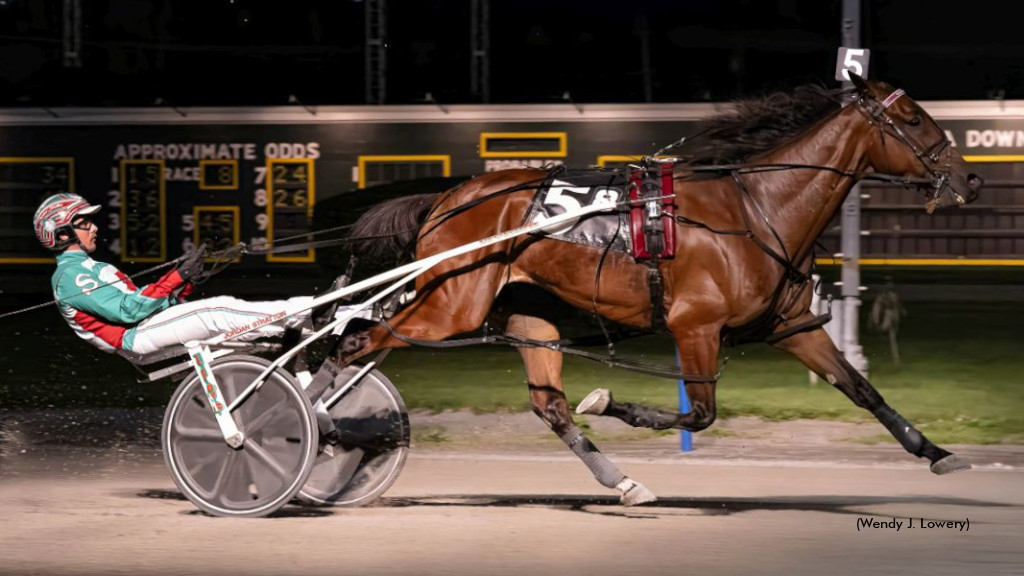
(116,511)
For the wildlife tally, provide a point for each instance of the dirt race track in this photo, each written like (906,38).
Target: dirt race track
(721,511)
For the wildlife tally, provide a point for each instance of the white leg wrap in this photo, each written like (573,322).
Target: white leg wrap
(595,403)
(604,471)
(634,493)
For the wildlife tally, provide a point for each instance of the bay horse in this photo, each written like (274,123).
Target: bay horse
(772,170)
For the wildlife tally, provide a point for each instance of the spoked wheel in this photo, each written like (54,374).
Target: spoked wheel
(364,458)
(274,460)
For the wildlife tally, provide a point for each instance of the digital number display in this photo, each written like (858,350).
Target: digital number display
(143,207)
(218,175)
(217,226)
(291,194)
(24,184)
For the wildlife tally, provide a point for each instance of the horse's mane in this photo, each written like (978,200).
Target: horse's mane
(757,125)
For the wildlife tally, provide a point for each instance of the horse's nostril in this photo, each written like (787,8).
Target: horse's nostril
(975,182)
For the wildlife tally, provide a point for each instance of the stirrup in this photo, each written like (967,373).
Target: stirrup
(322,315)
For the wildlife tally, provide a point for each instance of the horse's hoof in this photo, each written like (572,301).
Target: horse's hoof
(595,403)
(950,464)
(634,493)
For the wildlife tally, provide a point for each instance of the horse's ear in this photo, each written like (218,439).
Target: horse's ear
(860,83)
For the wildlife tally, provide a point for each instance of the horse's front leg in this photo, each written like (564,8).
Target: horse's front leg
(544,377)
(816,350)
(699,355)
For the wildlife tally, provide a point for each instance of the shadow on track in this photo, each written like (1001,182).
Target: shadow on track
(295,510)
(609,506)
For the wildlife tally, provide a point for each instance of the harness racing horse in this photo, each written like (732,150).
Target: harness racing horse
(753,192)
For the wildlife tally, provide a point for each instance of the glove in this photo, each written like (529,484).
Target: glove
(190,266)
(185,291)
(181,293)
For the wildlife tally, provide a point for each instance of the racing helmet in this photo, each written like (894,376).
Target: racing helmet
(54,217)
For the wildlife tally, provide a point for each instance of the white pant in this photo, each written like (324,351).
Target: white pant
(207,318)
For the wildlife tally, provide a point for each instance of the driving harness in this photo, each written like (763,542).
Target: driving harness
(645,230)
(652,228)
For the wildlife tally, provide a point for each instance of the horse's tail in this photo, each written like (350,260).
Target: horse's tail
(388,230)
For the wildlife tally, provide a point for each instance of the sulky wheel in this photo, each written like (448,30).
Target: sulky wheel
(274,460)
(363,458)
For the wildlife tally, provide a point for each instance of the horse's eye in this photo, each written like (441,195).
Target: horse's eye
(915,121)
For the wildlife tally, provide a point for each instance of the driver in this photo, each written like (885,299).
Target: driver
(105,308)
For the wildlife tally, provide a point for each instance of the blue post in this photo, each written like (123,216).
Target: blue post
(686,437)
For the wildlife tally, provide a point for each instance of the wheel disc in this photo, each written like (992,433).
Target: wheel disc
(371,445)
(273,461)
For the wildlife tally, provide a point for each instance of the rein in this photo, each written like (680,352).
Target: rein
(877,115)
(58,300)
(565,345)
(757,168)
(791,264)
(224,258)
(743,196)
(743,193)
(794,275)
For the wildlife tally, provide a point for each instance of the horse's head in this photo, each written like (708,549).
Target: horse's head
(911,144)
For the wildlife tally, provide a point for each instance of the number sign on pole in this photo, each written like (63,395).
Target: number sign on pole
(852,60)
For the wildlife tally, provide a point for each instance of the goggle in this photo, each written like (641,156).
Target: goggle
(82,223)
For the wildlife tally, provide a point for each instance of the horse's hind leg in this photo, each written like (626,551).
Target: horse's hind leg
(816,350)
(699,353)
(544,377)
(460,304)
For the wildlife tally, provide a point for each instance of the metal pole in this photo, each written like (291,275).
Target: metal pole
(642,29)
(850,244)
(72,34)
(479,56)
(376,51)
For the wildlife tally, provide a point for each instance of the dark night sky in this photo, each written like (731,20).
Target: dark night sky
(243,52)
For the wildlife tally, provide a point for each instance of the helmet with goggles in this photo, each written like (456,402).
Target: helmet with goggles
(55,218)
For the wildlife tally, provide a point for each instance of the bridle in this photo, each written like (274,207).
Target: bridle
(937,158)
